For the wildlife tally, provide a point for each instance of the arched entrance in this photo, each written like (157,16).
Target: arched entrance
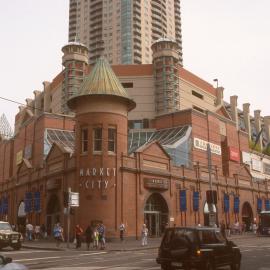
(53,213)
(247,215)
(21,218)
(156,214)
(206,214)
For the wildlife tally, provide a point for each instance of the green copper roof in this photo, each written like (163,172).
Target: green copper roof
(102,80)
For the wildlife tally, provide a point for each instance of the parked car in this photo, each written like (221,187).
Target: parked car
(8,237)
(197,247)
(7,264)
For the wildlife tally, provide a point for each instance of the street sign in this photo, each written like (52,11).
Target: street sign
(74,199)
(212,219)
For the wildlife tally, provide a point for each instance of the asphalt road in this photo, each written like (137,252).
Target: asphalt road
(255,251)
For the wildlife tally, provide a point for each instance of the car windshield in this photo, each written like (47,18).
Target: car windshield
(5,226)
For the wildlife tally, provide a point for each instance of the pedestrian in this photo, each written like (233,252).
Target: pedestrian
(101,233)
(58,234)
(88,236)
(144,235)
(37,232)
(29,231)
(95,238)
(43,231)
(122,229)
(78,235)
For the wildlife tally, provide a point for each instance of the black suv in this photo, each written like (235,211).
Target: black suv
(197,247)
(9,238)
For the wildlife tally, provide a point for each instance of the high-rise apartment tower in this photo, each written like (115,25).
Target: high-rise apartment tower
(124,30)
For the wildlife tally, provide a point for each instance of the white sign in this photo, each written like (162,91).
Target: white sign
(256,165)
(74,199)
(172,219)
(202,145)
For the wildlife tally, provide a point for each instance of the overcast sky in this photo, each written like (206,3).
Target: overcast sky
(225,39)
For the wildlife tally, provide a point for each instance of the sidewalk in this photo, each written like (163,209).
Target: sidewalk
(116,245)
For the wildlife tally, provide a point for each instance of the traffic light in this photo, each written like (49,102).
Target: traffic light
(211,196)
(66,198)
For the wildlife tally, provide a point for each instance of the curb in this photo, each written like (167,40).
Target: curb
(108,250)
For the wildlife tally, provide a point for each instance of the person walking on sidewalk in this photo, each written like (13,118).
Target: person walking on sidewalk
(144,235)
(88,236)
(29,231)
(58,234)
(78,235)
(101,233)
(96,237)
(122,229)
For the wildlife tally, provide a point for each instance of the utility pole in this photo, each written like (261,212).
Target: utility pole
(212,214)
(68,216)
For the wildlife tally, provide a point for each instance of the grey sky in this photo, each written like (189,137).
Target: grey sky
(225,39)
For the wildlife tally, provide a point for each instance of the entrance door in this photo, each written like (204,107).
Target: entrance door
(156,214)
(247,216)
(53,213)
(152,220)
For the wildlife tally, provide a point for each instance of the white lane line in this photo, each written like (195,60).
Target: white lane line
(91,254)
(43,258)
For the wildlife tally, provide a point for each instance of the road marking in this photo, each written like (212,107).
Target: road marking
(43,258)
(95,253)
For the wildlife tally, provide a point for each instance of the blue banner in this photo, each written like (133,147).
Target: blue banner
(28,202)
(1,207)
(37,207)
(183,201)
(196,199)
(236,203)
(226,203)
(5,206)
(267,205)
(259,204)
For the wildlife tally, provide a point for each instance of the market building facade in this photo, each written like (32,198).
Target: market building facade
(151,168)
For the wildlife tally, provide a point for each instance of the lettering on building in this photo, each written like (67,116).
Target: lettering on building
(154,183)
(96,178)
(202,145)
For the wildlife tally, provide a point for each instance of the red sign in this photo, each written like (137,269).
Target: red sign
(234,154)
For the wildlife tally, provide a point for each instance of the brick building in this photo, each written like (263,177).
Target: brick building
(143,164)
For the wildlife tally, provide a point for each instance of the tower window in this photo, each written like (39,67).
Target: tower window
(84,137)
(112,140)
(97,139)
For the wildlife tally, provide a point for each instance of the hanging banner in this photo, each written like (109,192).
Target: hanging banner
(37,207)
(236,203)
(196,199)
(183,201)
(267,204)
(28,202)
(5,205)
(226,203)
(259,204)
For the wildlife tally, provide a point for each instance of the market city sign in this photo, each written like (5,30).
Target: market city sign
(92,178)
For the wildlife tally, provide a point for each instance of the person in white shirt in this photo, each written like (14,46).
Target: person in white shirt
(144,235)
(122,229)
(29,231)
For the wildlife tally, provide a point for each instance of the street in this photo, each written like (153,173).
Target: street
(255,252)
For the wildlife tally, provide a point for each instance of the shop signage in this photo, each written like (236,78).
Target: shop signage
(234,154)
(266,168)
(74,199)
(53,184)
(28,151)
(19,157)
(202,145)
(155,183)
(256,165)
(92,178)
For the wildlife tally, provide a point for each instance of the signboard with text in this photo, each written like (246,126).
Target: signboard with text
(155,183)
(234,154)
(202,145)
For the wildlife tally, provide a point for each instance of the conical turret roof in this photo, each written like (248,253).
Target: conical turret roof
(102,81)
